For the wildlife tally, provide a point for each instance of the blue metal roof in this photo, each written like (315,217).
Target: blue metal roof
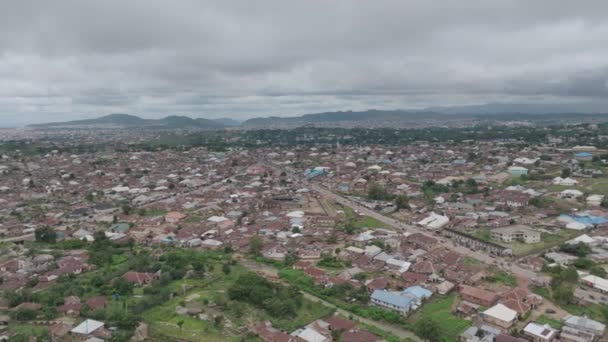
(588,220)
(393,298)
(418,291)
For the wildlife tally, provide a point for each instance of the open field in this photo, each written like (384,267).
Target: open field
(522,249)
(547,241)
(361,221)
(439,309)
(221,319)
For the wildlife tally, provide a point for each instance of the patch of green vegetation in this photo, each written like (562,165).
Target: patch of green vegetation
(514,180)
(119,259)
(542,291)
(557,188)
(331,262)
(467,260)
(367,222)
(151,212)
(194,219)
(503,278)
(355,222)
(223,318)
(597,186)
(593,311)
(547,241)
(383,334)
(483,234)
(343,296)
(23,332)
(439,309)
(554,323)
(308,312)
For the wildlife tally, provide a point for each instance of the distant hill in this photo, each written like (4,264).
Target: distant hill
(227,121)
(127,120)
(347,116)
(369,118)
(404,118)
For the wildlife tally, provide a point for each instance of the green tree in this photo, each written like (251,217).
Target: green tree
(580,249)
(598,271)
(226,269)
(402,202)
(127,209)
(428,329)
(45,234)
(255,246)
(564,293)
(23,315)
(122,287)
(291,258)
(604,202)
(378,193)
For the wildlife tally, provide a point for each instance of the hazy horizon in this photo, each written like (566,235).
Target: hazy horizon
(79,60)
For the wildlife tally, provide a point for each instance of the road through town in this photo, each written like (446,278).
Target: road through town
(483,257)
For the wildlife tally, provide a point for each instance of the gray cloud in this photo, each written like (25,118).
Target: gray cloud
(68,59)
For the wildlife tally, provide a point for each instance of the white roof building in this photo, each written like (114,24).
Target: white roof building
(564,181)
(310,335)
(596,282)
(87,327)
(586,239)
(501,312)
(434,221)
(584,324)
(211,243)
(355,250)
(572,193)
(525,161)
(540,332)
(295,213)
(595,199)
(217,219)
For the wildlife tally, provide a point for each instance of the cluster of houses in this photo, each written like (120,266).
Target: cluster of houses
(222,200)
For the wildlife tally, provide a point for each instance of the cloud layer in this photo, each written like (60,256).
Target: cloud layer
(69,59)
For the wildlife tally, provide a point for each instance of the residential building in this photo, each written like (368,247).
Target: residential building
(514,233)
(500,315)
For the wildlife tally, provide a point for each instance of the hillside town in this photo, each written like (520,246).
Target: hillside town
(496,240)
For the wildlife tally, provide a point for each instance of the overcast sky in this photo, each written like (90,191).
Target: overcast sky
(78,59)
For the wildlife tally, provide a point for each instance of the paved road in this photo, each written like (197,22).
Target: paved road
(511,266)
(27,237)
(271,272)
(483,257)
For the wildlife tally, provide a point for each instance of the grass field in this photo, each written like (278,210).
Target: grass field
(547,241)
(522,249)
(502,278)
(543,319)
(593,311)
(439,309)
(361,221)
(152,212)
(194,218)
(596,186)
(211,295)
(40,332)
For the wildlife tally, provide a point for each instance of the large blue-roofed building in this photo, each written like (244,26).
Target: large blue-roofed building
(391,300)
(403,302)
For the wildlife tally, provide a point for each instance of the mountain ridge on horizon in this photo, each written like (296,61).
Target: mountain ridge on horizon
(491,111)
